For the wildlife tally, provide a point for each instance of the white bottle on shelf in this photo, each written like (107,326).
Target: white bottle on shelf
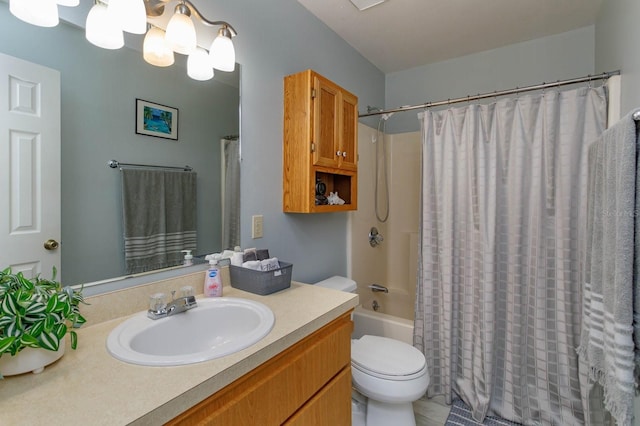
(188,257)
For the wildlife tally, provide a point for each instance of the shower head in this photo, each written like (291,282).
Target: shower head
(386,116)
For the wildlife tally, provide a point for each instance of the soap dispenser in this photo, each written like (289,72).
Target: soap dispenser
(212,279)
(188,257)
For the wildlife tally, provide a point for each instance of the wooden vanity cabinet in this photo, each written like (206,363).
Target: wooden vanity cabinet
(320,143)
(307,384)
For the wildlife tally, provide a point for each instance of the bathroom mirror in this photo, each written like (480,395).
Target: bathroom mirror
(99,89)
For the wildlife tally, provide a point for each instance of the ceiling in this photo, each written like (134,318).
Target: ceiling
(400,34)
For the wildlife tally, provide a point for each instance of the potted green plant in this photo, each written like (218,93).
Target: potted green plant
(36,314)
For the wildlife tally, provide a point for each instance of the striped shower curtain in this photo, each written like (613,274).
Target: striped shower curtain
(502,223)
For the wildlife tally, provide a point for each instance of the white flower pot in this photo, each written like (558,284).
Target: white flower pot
(29,359)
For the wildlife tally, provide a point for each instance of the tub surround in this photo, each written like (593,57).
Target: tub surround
(89,386)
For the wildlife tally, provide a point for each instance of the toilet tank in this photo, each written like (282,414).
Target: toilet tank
(339,283)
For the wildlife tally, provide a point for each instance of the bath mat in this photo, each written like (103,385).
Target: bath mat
(460,415)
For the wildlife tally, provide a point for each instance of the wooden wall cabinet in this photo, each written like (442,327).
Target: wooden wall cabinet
(320,143)
(307,384)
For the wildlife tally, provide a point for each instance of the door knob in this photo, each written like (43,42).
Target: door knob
(51,244)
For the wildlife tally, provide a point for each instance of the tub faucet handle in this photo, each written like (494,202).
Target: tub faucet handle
(378,288)
(375,238)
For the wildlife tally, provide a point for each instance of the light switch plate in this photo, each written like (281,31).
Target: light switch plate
(256,226)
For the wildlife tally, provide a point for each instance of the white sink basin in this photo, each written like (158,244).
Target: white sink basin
(215,328)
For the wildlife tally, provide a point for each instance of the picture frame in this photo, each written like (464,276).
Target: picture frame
(156,120)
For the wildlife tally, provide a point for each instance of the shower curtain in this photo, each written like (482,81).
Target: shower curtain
(231,193)
(502,224)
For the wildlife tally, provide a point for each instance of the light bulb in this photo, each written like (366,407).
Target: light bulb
(102,30)
(181,33)
(199,66)
(155,49)
(130,15)
(43,13)
(222,53)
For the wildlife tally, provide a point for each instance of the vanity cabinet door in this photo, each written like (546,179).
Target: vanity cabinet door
(275,392)
(330,406)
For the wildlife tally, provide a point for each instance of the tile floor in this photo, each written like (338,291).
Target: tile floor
(430,412)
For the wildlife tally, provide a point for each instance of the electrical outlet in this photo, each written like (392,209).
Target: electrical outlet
(256,226)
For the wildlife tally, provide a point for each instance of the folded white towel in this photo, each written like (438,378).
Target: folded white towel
(253,264)
(270,264)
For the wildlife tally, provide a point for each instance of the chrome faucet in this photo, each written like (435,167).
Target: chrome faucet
(378,288)
(158,309)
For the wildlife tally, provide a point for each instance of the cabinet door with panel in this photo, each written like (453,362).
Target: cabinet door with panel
(348,132)
(335,124)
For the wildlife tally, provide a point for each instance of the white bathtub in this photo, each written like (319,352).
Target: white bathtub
(380,324)
(396,302)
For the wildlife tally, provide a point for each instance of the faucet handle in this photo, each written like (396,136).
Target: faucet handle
(157,301)
(186,291)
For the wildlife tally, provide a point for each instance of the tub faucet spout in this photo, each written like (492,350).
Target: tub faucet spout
(378,288)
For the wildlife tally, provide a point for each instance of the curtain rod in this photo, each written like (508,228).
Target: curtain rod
(115,164)
(495,94)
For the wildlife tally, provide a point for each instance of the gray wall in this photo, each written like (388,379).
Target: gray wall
(277,38)
(546,59)
(98,92)
(617,35)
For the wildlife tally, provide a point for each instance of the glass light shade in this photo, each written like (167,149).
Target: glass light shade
(155,49)
(199,66)
(222,54)
(181,34)
(43,13)
(102,30)
(130,15)
(68,3)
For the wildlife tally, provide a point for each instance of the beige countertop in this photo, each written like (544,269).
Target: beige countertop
(90,387)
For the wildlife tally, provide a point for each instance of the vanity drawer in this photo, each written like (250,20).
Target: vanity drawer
(274,391)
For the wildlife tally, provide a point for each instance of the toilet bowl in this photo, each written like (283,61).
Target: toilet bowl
(390,373)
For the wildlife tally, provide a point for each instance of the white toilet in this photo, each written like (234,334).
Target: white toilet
(391,374)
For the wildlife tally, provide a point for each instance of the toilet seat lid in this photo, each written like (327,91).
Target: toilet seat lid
(385,356)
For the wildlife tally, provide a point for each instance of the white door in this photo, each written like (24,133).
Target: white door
(29,167)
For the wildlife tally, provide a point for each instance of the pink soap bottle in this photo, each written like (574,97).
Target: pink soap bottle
(212,279)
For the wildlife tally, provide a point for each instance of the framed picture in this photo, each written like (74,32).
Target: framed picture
(156,120)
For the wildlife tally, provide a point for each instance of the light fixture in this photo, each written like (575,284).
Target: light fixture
(155,49)
(199,66)
(43,13)
(102,29)
(107,20)
(130,14)
(181,33)
(222,53)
